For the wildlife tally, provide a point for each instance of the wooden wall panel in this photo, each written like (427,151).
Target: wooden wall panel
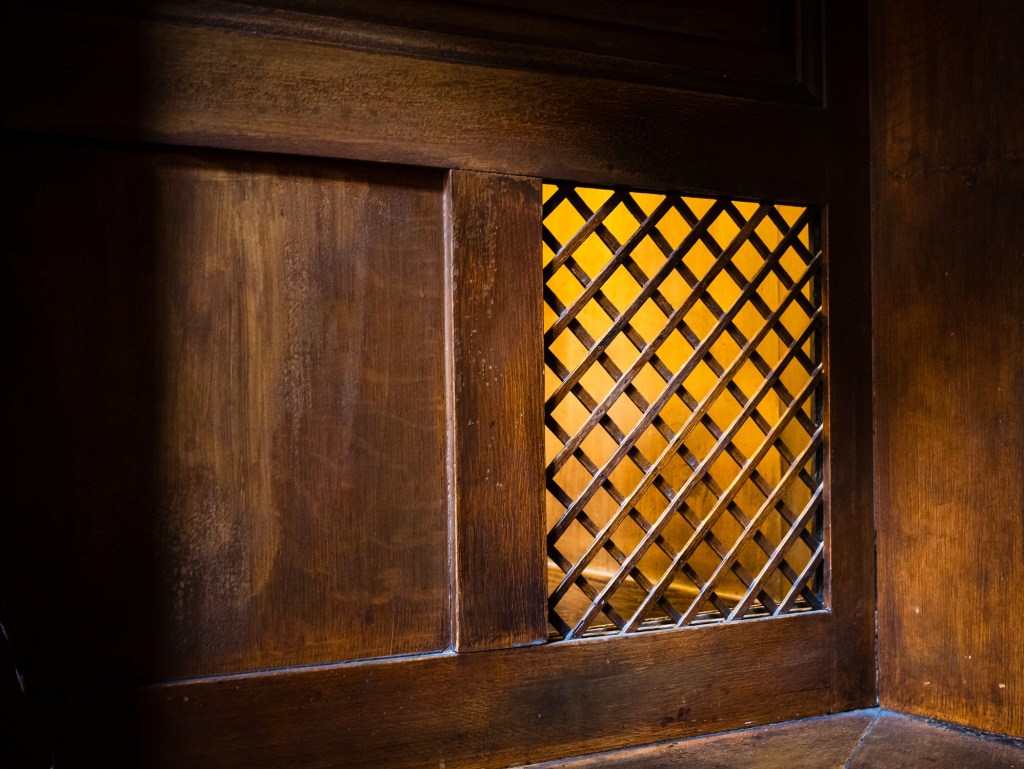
(480,710)
(948,195)
(229,413)
(496,411)
(230,420)
(768,49)
(193,85)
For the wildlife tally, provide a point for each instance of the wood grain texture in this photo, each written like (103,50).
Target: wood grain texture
(814,743)
(948,195)
(229,426)
(848,406)
(170,83)
(864,739)
(900,742)
(496,409)
(766,50)
(481,710)
(229,414)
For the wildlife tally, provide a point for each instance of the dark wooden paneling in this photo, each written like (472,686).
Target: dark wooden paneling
(814,743)
(164,82)
(769,50)
(949,356)
(480,710)
(496,410)
(161,312)
(229,414)
(900,742)
(848,483)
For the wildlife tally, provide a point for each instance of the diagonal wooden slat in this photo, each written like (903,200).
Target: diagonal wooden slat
(757,302)
(666,394)
(799,583)
(695,357)
(620,320)
(664,487)
(592,221)
(800,452)
(594,284)
(752,526)
(706,523)
(677,441)
(744,605)
(668,492)
(737,336)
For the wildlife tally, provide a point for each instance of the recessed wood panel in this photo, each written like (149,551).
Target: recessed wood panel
(230,409)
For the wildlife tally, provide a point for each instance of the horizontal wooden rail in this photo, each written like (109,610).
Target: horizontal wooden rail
(159,81)
(486,709)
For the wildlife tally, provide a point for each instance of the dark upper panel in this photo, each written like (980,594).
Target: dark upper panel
(768,49)
(251,88)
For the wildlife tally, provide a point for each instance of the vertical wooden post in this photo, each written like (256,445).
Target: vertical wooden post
(849,533)
(495,410)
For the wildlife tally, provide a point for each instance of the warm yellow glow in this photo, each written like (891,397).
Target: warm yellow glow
(620,290)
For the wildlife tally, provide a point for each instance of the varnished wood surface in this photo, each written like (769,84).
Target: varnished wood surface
(229,414)
(865,739)
(949,354)
(766,50)
(172,83)
(475,710)
(849,531)
(496,410)
(160,82)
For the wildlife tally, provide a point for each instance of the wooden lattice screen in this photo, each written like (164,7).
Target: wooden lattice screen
(683,409)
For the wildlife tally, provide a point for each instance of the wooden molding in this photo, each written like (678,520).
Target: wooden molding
(483,710)
(750,48)
(172,83)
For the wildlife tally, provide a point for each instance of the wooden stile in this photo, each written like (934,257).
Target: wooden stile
(495,396)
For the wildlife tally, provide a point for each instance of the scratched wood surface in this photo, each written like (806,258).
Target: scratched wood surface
(477,710)
(190,84)
(230,413)
(768,49)
(849,532)
(901,742)
(949,347)
(496,410)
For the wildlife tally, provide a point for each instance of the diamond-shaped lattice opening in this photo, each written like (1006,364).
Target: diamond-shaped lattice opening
(684,410)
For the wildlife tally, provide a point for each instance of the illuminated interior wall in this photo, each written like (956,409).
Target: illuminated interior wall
(621,289)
